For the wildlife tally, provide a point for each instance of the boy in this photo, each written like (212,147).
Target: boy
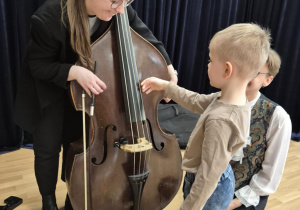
(236,55)
(271,133)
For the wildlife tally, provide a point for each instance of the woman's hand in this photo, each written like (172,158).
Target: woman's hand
(173,74)
(235,203)
(153,83)
(87,79)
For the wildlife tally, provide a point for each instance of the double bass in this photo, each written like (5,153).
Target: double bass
(131,162)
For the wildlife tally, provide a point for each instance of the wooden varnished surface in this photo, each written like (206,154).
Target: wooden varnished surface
(17,178)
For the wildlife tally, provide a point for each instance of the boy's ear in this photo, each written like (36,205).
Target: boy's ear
(268,81)
(228,70)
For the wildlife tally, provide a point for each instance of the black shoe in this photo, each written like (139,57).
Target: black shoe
(68,205)
(49,202)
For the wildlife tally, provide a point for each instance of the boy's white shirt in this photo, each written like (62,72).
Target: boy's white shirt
(266,181)
(239,155)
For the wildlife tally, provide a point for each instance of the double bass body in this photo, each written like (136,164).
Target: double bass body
(110,167)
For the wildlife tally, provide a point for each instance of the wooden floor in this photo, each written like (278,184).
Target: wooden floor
(17,179)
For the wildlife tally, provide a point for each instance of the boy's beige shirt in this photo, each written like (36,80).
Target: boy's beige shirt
(217,136)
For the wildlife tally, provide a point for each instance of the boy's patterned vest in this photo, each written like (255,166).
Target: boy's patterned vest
(254,154)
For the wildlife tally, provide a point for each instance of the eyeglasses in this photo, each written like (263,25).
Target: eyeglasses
(262,73)
(116,4)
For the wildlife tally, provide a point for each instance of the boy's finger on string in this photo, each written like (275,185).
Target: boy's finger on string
(146,88)
(149,91)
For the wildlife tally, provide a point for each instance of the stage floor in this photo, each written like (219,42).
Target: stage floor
(17,179)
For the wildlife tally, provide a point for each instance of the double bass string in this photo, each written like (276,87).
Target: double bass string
(136,81)
(142,112)
(117,17)
(132,64)
(126,37)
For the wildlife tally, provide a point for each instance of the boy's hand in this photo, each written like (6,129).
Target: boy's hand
(153,83)
(235,203)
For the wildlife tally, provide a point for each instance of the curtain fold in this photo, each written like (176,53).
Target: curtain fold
(14,25)
(185,27)
(10,135)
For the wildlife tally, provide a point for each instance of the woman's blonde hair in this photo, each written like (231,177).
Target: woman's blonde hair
(246,45)
(76,13)
(273,63)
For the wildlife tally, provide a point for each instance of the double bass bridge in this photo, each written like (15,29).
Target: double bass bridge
(141,145)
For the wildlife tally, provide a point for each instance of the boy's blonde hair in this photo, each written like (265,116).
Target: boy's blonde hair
(246,45)
(273,63)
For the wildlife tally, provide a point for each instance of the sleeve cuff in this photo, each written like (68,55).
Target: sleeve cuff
(247,196)
(65,69)
(169,90)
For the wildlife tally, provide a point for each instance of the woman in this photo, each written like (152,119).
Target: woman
(61,34)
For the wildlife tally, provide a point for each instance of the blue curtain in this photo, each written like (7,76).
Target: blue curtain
(14,26)
(185,27)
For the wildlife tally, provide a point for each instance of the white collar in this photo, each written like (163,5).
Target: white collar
(253,102)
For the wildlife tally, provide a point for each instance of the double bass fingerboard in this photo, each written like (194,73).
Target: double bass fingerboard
(130,83)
